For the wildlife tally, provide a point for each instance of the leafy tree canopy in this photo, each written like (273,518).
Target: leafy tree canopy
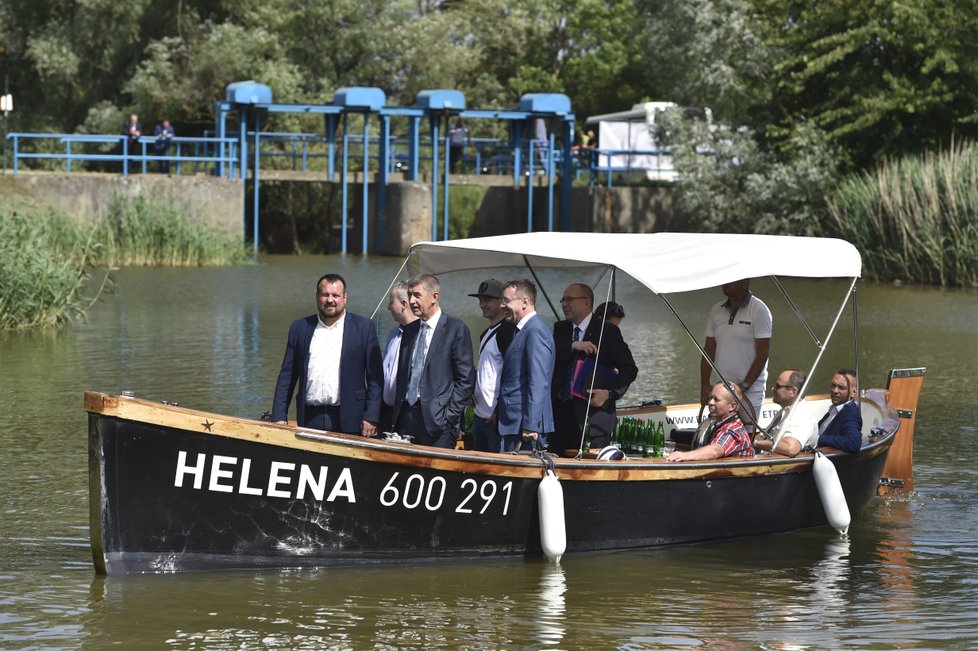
(879,78)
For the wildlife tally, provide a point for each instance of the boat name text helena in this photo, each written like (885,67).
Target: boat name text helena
(226,474)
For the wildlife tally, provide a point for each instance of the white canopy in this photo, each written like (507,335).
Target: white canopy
(663,262)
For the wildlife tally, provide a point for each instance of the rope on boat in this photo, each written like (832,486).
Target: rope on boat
(545,458)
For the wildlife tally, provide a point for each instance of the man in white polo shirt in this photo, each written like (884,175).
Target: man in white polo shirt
(738,339)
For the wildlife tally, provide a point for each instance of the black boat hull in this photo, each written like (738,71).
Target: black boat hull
(174,490)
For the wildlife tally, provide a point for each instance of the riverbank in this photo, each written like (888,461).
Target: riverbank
(48,259)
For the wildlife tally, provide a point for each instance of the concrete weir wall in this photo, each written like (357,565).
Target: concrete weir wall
(504,210)
(88,195)
(408,216)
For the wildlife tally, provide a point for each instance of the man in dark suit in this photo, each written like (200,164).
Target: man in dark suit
(524,408)
(435,374)
(576,339)
(335,359)
(842,425)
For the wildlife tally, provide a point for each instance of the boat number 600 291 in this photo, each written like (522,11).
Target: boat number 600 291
(415,492)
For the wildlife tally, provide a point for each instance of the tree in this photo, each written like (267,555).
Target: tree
(881,78)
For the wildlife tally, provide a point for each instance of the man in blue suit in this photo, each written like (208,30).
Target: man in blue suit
(335,359)
(842,425)
(525,410)
(435,374)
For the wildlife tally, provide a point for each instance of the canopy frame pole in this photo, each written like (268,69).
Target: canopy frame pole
(818,358)
(741,402)
(797,312)
(855,342)
(390,287)
(585,431)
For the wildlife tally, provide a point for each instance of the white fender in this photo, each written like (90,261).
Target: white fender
(830,490)
(553,534)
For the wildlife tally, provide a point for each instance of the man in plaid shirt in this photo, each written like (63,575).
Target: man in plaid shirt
(730,438)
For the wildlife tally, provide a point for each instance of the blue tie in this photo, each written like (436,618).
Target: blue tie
(417,364)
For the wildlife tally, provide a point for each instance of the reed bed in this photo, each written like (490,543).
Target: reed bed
(141,233)
(914,219)
(47,259)
(46,262)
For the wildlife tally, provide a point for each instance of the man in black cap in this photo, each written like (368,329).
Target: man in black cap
(492,346)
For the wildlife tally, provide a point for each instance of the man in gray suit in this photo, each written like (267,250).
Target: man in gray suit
(525,410)
(435,374)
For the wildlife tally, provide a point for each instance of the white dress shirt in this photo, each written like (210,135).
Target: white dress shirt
(390,366)
(323,372)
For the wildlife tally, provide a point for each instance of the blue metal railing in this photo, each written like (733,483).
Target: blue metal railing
(480,155)
(195,152)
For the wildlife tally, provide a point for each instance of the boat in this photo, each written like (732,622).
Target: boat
(175,489)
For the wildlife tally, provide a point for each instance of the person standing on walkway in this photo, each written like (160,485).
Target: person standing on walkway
(164,134)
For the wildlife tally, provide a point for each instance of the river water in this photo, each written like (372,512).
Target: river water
(906,577)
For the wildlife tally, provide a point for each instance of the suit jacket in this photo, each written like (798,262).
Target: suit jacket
(361,372)
(614,354)
(447,377)
(524,393)
(845,430)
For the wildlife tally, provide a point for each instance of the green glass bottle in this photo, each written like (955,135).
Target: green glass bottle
(660,439)
(646,440)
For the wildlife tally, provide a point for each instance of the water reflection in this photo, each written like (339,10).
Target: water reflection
(830,580)
(550,615)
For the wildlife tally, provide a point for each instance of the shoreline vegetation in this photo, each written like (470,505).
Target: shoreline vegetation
(914,219)
(48,259)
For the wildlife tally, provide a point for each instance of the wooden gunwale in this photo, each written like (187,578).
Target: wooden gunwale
(356,447)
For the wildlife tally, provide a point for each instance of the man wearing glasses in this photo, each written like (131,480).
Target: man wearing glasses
(576,339)
(800,431)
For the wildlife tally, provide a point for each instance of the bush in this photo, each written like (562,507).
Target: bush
(729,183)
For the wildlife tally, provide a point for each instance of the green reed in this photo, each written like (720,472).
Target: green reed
(914,219)
(46,262)
(138,232)
(47,259)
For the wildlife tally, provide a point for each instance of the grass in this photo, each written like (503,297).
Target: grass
(914,219)
(47,259)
